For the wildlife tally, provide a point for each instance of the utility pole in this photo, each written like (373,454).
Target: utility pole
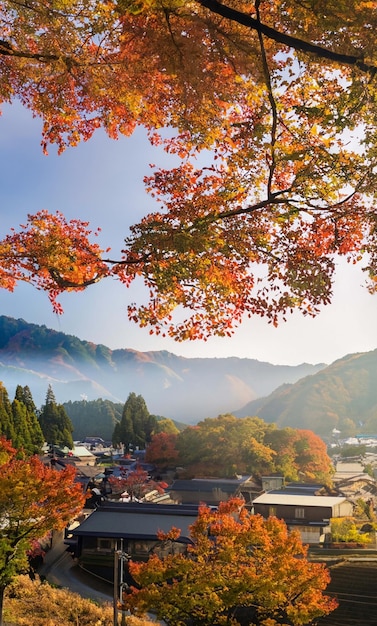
(116,577)
(120,557)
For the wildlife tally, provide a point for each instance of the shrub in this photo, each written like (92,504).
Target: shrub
(344,529)
(33,602)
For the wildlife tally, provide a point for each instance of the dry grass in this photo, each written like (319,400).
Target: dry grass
(33,602)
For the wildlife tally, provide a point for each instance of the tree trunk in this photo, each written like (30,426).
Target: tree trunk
(2,590)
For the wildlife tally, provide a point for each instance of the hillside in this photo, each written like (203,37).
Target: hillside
(179,388)
(342,396)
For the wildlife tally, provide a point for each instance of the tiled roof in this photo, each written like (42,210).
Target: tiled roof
(137,521)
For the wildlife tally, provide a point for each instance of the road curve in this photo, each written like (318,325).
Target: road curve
(59,568)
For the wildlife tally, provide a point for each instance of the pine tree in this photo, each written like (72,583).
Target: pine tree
(55,424)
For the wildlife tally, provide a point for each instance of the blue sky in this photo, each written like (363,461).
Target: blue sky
(101,181)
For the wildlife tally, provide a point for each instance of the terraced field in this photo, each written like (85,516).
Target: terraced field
(354,584)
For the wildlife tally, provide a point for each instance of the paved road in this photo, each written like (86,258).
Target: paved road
(61,569)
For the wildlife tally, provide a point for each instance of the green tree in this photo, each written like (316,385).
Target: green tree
(18,420)
(55,423)
(30,437)
(34,499)
(239,569)
(22,438)
(345,530)
(165,425)
(6,417)
(136,425)
(93,417)
(353,449)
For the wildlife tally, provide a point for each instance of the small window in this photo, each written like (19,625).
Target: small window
(300,513)
(141,548)
(272,511)
(105,545)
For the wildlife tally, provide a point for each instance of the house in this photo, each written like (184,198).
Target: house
(81,454)
(212,491)
(302,510)
(132,526)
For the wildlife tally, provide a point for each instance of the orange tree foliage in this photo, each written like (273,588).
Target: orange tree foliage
(273,94)
(162,450)
(34,499)
(240,569)
(300,454)
(136,484)
(226,445)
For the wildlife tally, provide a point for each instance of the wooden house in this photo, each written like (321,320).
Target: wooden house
(212,491)
(134,527)
(308,513)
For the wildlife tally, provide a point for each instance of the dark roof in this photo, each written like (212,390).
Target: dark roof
(207,485)
(299,489)
(137,521)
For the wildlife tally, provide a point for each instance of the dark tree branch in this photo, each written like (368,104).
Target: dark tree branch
(7,50)
(267,78)
(292,42)
(67,284)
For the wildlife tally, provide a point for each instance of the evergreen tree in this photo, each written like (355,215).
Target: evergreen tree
(136,425)
(55,423)
(29,436)
(22,435)
(24,395)
(6,417)
(93,417)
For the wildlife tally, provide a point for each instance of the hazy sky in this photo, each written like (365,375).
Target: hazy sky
(101,181)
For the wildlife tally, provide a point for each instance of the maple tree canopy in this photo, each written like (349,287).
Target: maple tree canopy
(240,569)
(35,499)
(278,97)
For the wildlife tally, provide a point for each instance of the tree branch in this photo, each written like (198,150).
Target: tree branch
(67,284)
(267,78)
(7,50)
(292,42)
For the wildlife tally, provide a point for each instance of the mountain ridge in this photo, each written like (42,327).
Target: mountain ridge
(341,396)
(186,389)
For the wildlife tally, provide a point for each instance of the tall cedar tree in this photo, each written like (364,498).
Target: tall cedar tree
(241,569)
(55,424)
(6,416)
(31,438)
(34,499)
(18,420)
(278,96)
(136,425)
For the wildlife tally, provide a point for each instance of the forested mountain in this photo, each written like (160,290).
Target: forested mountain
(183,389)
(341,396)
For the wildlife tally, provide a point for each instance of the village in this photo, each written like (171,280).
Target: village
(336,524)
